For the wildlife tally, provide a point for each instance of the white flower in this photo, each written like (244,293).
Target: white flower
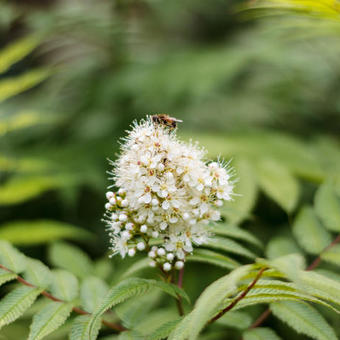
(167,191)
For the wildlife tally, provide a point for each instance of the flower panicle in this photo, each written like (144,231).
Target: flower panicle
(168,193)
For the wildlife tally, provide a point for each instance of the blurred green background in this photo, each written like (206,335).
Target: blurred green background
(263,92)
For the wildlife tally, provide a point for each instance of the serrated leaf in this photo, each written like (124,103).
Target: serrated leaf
(39,232)
(246,188)
(327,207)
(211,257)
(164,330)
(210,301)
(14,304)
(234,231)
(16,51)
(6,276)
(260,333)
(320,286)
(37,273)
(279,184)
(71,258)
(332,255)
(50,318)
(228,245)
(92,290)
(10,87)
(80,328)
(235,319)
(129,288)
(64,285)
(151,321)
(304,319)
(11,258)
(280,246)
(134,310)
(309,233)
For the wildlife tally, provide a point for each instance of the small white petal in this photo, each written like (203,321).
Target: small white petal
(152,254)
(132,252)
(109,194)
(170,257)
(154,201)
(160,167)
(155,234)
(122,218)
(124,203)
(112,201)
(140,246)
(107,206)
(165,205)
(152,264)
(163,225)
(179,265)
(166,266)
(161,251)
(143,228)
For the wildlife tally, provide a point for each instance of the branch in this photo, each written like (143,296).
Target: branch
(114,326)
(312,266)
(239,298)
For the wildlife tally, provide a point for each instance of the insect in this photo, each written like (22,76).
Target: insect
(165,120)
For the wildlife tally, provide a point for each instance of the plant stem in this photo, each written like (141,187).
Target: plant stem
(179,298)
(240,297)
(114,326)
(312,266)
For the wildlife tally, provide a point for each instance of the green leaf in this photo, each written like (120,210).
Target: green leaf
(37,273)
(50,318)
(260,333)
(332,255)
(39,232)
(6,276)
(211,257)
(304,319)
(16,51)
(211,300)
(246,189)
(327,207)
(80,328)
(10,87)
(233,231)
(280,246)
(14,304)
(64,285)
(235,319)
(71,258)
(228,245)
(20,189)
(309,233)
(320,286)
(151,321)
(278,183)
(133,311)
(164,330)
(92,290)
(11,257)
(129,288)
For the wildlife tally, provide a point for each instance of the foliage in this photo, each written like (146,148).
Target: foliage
(263,94)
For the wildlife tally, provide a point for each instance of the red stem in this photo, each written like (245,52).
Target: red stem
(240,297)
(312,266)
(77,310)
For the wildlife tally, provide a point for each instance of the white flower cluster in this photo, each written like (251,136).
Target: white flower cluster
(167,195)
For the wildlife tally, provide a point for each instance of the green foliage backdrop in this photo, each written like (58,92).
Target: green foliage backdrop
(255,83)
